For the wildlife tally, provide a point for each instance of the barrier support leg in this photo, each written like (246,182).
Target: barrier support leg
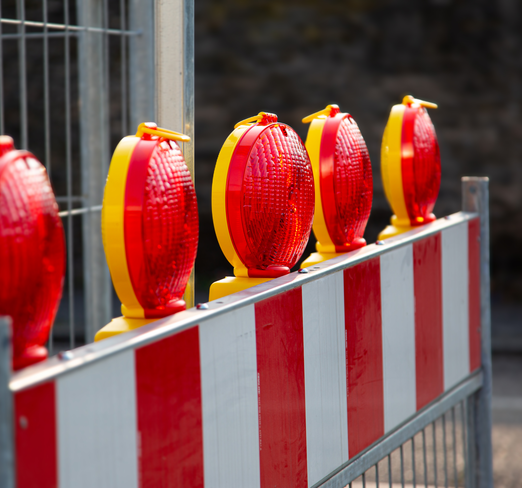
(7,472)
(475,198)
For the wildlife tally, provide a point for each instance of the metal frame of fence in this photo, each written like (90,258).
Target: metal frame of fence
(152,81)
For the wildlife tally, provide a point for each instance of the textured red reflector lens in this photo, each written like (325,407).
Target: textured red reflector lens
(353,188)
(32,254)
(161,226)
(420,165)
(270,217)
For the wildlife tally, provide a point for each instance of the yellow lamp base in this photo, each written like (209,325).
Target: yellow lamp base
(233,284)
(400,227)
(319,257)
(119,325)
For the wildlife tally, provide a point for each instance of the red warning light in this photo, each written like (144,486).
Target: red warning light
(32,252)
(420,164)
(151,252)
(343,169)
(410,166)
(263,214)
(353,187)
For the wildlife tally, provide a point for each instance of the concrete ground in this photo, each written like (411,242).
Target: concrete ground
(507,420)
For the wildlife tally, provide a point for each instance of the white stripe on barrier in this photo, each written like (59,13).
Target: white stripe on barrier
(455,304)
(96,417)
(325,376)
(229,396)
(398,336)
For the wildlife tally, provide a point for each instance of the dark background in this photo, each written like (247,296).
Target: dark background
(293,58)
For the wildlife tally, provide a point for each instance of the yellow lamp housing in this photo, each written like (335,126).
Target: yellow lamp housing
(343,183)
(262,202)
(149,227)
(410,166)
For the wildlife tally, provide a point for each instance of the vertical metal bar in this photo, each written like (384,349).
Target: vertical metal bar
(464,443)
(170,63)
(413,461)
(475,198)
(20,6)
(364,480)
(434,454)
(445,450)
(389,471)
(2,126)
(376,475)
(47,125)
(402,467)
(471,430)
(7,452)
(454,445)
(68,165)
(175,79)
(188,113)
(107,86)
(142,76)
(123,45)
(425,458)
(94,148)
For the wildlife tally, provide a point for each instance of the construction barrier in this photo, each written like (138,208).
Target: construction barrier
(302,381)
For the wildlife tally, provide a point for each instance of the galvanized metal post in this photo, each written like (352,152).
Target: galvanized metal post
(142,85)
(175,79)
(475,198)
(7,472)
(94,130)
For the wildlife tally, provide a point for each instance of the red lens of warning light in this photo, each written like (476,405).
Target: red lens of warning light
(32,252)
(270,198)
(346,182)
(161,225)
(420,165)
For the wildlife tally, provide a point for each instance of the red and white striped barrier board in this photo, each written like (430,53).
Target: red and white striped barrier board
(279,385)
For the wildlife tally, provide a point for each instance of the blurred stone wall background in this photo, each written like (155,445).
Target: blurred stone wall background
(294,57)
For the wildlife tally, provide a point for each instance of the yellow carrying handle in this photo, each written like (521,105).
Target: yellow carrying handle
(408,100)
(325,111)
(152,129)
(256,118)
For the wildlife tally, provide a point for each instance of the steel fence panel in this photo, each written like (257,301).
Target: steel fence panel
(86,51)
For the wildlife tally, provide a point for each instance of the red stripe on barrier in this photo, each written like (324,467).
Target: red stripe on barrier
(427,277)
(281,390)
(474,294)
(363,323)
(35,437)
(168,384)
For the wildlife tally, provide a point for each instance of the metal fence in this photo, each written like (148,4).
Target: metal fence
(76,77)
(436,449)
